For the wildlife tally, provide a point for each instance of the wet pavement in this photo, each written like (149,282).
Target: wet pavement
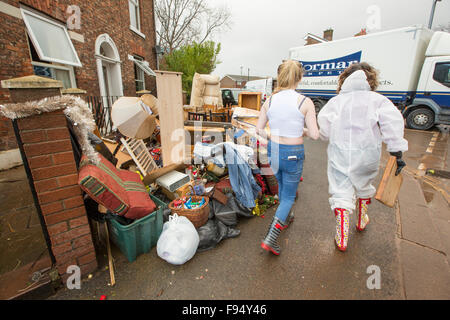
(22,244)
(310,267)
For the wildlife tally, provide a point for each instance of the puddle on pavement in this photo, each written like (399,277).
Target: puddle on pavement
(428,192)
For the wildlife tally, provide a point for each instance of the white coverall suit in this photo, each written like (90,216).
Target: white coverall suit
(356,122)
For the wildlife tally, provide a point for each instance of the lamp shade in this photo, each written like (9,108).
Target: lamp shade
(133,117)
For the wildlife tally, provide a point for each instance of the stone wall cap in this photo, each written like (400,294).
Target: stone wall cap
(31,82)
(73,91)
(144,92)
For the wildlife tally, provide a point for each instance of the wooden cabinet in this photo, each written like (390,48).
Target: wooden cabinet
(250,100)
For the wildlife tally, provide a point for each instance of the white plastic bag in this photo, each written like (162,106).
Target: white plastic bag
(178,241)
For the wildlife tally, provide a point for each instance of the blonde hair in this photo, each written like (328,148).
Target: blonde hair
(290,72)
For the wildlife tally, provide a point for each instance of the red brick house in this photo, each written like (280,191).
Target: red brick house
(236,81)
(313,39)
(105,47)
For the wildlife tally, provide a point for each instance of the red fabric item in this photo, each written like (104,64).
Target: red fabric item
(271,181)
(272,184)
(140,203)
(224,185)
(261,183)
(120,191)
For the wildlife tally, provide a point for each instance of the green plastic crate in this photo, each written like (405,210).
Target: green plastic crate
(140,236)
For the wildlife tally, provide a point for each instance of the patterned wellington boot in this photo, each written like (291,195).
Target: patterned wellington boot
(363,218)
(342,226)
(289,219)
(270,241)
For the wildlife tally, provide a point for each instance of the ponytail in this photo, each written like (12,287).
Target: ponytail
(290,73)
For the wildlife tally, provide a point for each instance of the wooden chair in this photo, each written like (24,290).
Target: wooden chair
(197,116)
(223,116)
(139,153)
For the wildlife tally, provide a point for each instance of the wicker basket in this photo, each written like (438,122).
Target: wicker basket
(198,216)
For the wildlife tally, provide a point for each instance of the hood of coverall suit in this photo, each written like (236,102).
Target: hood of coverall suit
(357,81)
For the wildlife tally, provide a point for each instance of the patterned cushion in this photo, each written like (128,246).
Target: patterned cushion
(120,191)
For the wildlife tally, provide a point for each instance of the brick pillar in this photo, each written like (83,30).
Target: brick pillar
(47,149)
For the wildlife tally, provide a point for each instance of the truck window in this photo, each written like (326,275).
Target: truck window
(442,73)
(227,94)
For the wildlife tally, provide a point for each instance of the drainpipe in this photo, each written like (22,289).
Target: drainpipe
(154,28)
(433,8)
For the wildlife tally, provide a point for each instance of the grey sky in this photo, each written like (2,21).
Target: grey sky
(264,30)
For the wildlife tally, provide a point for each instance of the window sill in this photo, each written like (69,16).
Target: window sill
(137,32)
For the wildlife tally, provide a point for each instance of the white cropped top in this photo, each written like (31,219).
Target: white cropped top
(285,118)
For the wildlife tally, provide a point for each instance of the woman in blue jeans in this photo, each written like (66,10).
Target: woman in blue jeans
(287,112)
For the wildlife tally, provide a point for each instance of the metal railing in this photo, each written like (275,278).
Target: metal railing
(101,109)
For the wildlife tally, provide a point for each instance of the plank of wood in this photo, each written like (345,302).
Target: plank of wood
(110,258)
(209,124)
(390,184)
(171,116)
(204,129)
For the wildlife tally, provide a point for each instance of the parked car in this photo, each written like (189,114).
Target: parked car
(230,96)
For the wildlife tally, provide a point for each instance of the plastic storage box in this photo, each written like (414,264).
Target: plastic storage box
(140,236)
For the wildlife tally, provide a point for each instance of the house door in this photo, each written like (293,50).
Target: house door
(109,78)
(106,80)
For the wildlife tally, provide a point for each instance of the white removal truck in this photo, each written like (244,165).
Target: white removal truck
(413,64)
(265,86)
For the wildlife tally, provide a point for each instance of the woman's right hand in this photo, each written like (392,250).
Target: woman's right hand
(305,132)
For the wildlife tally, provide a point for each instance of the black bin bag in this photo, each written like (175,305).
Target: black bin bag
(212,233)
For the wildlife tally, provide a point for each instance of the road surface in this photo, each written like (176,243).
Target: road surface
(310,267)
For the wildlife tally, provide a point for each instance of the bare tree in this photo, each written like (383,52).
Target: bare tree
(182,22)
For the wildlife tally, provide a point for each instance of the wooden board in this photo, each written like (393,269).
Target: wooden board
(171,116)
(390,184)
(120,156)
(204,129)
(247,119)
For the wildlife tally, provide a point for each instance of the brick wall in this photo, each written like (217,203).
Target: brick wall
(97,17)
(310,41)
(47,145)
(226,82)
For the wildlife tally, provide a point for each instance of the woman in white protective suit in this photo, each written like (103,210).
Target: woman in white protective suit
(356,122)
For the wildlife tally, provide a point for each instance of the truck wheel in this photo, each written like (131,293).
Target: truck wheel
(420,119)
(318,104)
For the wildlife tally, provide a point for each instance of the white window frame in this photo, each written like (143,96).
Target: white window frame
(73,81)
(143,65)
(36,43)
(137,28)
(140,72)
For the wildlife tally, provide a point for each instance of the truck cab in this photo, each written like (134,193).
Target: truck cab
(431,104)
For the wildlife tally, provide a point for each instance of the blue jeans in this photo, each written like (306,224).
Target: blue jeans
(286,162)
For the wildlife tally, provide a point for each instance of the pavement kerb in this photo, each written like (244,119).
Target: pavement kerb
(424,266)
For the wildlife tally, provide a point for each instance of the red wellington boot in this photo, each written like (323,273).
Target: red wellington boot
(363,218)
(342,226)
